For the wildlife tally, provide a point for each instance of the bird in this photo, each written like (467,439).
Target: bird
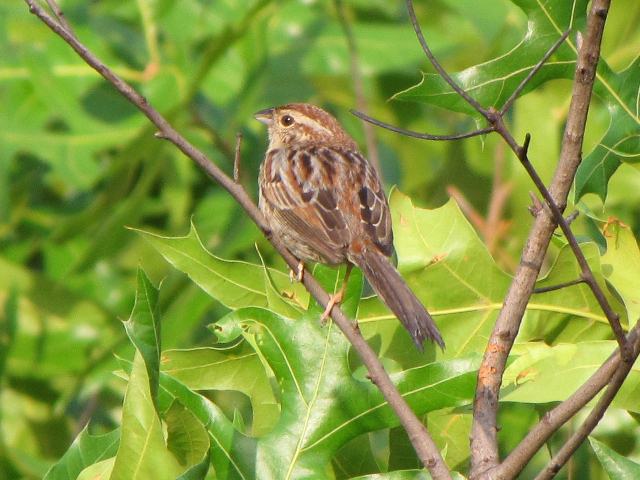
(325,202)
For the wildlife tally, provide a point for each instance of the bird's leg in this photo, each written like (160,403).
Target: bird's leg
(299,275)
(336,298)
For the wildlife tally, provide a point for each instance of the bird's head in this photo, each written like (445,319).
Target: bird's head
(303,124)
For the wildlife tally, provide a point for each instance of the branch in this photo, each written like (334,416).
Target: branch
(236,159)
(586,273)
(422,136)
(421,440)
(559,286)
(571,445)
(441,71)
(611,373)
(495,119)
(509,103)
(484,445)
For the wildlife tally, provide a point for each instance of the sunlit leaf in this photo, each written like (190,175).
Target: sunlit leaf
(621,266)
(617,466)
(143,328)
(233,283)
(621,142)
(86,450)
(544,374)
(323,405)
(221,369)
(142,453)
(493,81)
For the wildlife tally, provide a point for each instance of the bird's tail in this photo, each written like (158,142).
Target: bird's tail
(392,289)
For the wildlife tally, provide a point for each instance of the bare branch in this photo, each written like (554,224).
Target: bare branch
(422,136)
(484,445)
(495,118)
(441,71)
(587,274)
(509,103)
(571,445)
(426,449)
(611,373)
(236,159)
(59,14)
(558,286)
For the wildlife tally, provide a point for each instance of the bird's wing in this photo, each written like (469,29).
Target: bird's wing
(373,211)
(300,187)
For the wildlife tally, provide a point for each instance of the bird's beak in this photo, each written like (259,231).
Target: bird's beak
(264,116)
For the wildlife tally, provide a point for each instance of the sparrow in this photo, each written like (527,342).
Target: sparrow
(324,200)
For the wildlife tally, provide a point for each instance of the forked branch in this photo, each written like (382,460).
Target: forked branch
(484,445)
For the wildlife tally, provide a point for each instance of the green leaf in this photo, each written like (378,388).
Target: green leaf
(493,81)
(570,314)
(234,284)
(542,374)
(621,265)
(450,428)
(231,452)
(448,267)
(187,439)
(323,405)
(8,324)
(142,453)
(86,450)
(278,300)
(616,466)
(621,142)
(98,471)
(143,328)
(221,369)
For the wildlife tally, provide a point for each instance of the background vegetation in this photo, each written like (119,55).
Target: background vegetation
(78,165)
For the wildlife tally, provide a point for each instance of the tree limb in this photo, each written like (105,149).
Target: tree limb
(484,444)
(611,373)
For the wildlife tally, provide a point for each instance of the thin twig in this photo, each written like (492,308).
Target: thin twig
(59,14)
(509,103)
(571,445)
(572,216)
(587,274)
(559,286)
(607,374)
(425,447)
(423,136)
(358,86)
(236,159)
(441,71)
(536,205)
(495,119)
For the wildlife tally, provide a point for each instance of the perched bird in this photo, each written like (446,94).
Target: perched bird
(325,202)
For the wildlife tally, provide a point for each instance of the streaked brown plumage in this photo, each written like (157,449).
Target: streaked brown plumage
(325,201)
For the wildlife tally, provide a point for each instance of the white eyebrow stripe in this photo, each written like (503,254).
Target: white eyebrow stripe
(304,120)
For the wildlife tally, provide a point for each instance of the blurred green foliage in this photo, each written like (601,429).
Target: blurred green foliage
(78,165)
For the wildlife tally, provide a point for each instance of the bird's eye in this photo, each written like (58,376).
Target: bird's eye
(286,120)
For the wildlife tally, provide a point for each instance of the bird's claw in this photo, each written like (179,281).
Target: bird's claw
(299,275)
(334,300)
